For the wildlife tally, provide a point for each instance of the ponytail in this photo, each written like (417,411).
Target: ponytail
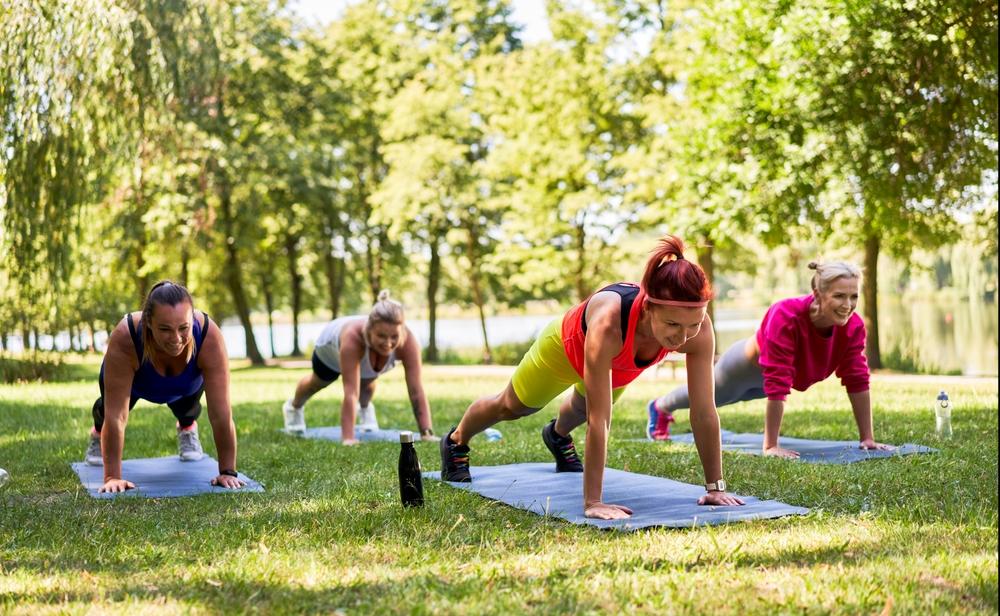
(669,277)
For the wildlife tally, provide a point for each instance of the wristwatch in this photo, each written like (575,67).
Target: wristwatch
(716,486)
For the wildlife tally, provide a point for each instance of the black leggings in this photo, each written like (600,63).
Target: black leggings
(186,410)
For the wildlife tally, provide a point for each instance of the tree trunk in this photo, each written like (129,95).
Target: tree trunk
(233,269)
(433,282)
(335,271)
(292,252)
(93,337)
(872,248)
(706,259)
(185,260)
(374,257)
(583,290)
(477,293)
(265,285)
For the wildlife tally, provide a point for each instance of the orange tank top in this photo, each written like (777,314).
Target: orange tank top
(623,367)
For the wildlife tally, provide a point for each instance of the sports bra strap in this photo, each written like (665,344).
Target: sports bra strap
(628,293)
(136,342)
(204,332)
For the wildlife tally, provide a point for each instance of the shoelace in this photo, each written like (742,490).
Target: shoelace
(663,423)
(189,438)
(460,460)
(569,452)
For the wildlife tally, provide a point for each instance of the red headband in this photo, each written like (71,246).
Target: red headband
(674,302)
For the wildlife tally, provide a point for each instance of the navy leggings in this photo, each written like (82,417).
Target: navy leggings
(737,379)
(186,409)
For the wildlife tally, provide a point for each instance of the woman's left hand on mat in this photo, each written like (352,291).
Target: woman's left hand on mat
(720,498)
(606,511)
(871,444)
(228,481)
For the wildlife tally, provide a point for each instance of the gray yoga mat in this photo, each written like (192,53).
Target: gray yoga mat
(162,478)
(820,452)
(332,433)
(654,501)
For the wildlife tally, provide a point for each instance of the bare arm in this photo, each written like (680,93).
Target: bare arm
(772,428)
(603,342)
(409,353)
(700,360)
(120,364)
(214,364)
(352,348)
(861,404)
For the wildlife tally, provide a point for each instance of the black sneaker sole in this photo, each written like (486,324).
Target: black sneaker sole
(561,465)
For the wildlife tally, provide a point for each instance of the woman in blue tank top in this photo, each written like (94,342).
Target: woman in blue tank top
(165,354)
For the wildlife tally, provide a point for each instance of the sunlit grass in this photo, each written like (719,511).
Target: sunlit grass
(917,533)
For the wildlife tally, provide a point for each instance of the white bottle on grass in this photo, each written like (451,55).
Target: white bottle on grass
(942,415)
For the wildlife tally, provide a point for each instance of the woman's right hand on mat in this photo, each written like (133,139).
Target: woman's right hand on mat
(116,485)
(604,511)
(780,452)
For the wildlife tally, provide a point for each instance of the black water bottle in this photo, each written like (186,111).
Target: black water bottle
(411,484)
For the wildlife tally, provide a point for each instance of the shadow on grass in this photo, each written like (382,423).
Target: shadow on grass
(445,585)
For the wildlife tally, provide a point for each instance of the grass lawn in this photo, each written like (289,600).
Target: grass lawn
(914,535)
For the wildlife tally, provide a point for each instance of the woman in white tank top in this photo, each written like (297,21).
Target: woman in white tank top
(361,349)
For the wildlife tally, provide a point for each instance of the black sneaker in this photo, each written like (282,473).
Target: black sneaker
(562,448)
(454,460)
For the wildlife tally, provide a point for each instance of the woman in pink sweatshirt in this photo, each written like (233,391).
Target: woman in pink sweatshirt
(801,341)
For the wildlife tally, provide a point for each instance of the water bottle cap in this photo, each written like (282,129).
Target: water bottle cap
(942,395)
(405,437)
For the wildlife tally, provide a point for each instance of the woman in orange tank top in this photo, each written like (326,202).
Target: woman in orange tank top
(597,348)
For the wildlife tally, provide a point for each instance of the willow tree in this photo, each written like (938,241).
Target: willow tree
(74,76)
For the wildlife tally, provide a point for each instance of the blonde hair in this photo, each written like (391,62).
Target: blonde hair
(166,293)
(829,271)
(385,310)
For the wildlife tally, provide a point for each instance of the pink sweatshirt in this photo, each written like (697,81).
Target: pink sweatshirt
(794,354)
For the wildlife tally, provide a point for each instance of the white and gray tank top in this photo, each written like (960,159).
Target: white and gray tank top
(328,349)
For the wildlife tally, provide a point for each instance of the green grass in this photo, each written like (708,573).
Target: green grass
(329,535)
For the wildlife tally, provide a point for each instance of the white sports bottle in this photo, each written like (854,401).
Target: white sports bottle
(942,415)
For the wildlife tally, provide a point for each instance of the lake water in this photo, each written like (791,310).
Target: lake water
(932,335)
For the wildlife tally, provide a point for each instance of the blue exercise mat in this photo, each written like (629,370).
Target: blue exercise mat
(162,478)
(332,433)
(654,501)
(820,452)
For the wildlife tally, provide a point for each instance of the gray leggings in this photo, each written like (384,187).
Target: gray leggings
(737,379)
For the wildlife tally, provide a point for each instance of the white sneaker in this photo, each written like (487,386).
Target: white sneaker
(295,418)
(189,445)
(93,456)
(366,419)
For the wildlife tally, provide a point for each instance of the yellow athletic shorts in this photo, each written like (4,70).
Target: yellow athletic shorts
(545,372)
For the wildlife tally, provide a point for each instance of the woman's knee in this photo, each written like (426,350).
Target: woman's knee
(510,406)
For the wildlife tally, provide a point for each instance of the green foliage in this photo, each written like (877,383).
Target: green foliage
(46,367)
(418,145)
